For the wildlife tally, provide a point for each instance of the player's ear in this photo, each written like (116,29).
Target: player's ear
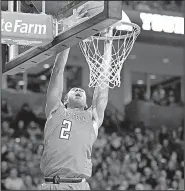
(66,99)
(65,103)
(86,106)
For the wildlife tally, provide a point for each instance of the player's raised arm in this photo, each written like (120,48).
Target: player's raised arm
(100,96)
(55,88)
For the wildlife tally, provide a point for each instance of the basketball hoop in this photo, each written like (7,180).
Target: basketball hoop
(122,40)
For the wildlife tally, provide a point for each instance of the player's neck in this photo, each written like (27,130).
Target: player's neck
(75,108)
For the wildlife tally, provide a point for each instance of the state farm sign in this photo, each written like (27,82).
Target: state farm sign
(26,29)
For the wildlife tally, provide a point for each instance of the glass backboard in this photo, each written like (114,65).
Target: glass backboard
(70,31)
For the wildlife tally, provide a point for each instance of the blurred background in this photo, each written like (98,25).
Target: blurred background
(140,144)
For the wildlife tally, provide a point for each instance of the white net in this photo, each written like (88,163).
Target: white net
(106,72)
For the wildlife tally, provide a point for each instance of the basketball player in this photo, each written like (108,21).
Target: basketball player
(70,131)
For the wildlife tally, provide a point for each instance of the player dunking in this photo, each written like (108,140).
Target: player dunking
(70,131)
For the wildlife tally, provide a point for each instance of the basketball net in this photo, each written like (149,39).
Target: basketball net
(106,53)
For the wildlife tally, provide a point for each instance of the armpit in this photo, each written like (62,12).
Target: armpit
(58,106)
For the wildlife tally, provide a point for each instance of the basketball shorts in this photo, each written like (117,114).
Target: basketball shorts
(66,186)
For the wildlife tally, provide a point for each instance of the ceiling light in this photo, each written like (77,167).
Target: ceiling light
(43,77)
(21,83)
(152,77)
(165,60)
(46,66)
(140,82)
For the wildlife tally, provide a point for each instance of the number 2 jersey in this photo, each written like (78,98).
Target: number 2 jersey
(68,139)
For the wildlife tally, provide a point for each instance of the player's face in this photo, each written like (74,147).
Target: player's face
(77,96)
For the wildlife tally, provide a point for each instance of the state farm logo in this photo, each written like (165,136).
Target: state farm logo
(18,26)
(26,29)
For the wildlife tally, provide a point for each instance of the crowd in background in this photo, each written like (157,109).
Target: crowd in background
(160,95)
(165,95)
(125,158)
(39,84)
(21,149)
(138,158)
(175,6)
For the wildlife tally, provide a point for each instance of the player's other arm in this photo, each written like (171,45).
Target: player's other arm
(55,88)
(100,96)
(99,103)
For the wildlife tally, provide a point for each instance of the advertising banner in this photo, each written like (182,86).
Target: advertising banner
(26,29)
(164,28)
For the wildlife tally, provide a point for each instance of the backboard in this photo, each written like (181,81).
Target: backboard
(100,15)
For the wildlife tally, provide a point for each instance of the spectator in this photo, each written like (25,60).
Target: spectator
(171,99)
(13,182)
(115,142)
(154,168)
(178,175)
(148,177)
(180,132)
(163,134)
(133,176)
(155,96)
(26,115)
(124,185)
(33,129)
(161,183)
(142,6)
(6,130)
(139,187)
(174,185)
(170,170)
(166,149)
(28,183)
(6,110)
(161,94)
(136,94)
(20,129)
(181,184)
(147,98)
(172,6)
(4,173)
(156,5)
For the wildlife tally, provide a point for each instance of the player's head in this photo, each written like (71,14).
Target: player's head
(76,98)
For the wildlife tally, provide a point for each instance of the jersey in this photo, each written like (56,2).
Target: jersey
(68,139)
